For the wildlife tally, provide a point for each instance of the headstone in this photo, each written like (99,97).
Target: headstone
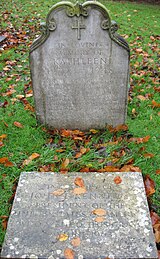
(80,68)
(80,216)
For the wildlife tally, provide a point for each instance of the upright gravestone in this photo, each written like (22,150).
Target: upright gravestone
(80,68)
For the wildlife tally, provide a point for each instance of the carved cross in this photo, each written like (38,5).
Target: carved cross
(78,26)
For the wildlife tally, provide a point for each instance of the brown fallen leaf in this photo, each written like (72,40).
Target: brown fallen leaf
(158,171)
(79,190)
(1,144)
(30,158)
(58,192)
(140,140)
(148,155)
(65,163)
(75,241)
(6,162)
(79,182)
(130,168)
(109,168)
(99,212)
(121,127)
(155,104)
(149,185)
(117,180)
(154,218)
(157,232)
(62,237)
(69,253)
(93,131)
(99,219)
(60,150)
(18,124)
(141,97)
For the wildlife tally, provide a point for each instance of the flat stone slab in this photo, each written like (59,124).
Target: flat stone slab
(54,217)
(2,38)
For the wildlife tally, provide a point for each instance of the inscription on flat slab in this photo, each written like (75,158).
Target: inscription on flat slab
(80,68)
(52,215)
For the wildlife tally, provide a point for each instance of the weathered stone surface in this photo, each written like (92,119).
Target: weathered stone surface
(47,216)
(2,38)
(79,69)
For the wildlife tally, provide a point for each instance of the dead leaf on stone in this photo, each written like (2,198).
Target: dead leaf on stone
(58,192)
(30,158)
(62,237)
(68,253)
(117,180)
(79,181)
(75,241)
(99,219)
(99,212)
(79,191)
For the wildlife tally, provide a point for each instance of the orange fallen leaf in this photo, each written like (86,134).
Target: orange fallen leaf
(149,185)
(30,158)
(93,131)
(60,150)
(84,170)
(117,180)
(121,127)
(148,155)
(110,168)
(99,212)
(79,181)
(62,237)
(18,124)
(75,241)
(158,171)
(29,107)
(6,162)
(65,163)
(155,104)
(58,192)
(79,190)
(68,253)
(99,219)
(3,136)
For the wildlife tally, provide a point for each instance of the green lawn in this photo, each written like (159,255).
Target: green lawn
(58,149)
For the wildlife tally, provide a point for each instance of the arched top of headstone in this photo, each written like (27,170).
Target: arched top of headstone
(78,10)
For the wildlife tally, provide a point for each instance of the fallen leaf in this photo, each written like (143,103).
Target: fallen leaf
(99,219)
(109,168)
(84,170)
(3,136)
(18,124)
(6,162)
(30,158)
(121,127)
(148,155)
(60,150)
(62,237)
(155,104)
(158,171)
(149,185)
(117,180)
(93,131)
(140,140)
(65,163)
(99,212)
(1,144)
(154,218)
(58,192)
(4,224)
(75,241)
(68,253)
(130,168)
(79,190)
(157,232)
(141,97)
(79,181)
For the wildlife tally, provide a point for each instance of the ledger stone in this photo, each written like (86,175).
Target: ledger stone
(108,220)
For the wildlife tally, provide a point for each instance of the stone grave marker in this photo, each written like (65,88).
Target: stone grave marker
(76,216)
(80,68)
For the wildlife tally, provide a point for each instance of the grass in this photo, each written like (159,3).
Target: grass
(139,25)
